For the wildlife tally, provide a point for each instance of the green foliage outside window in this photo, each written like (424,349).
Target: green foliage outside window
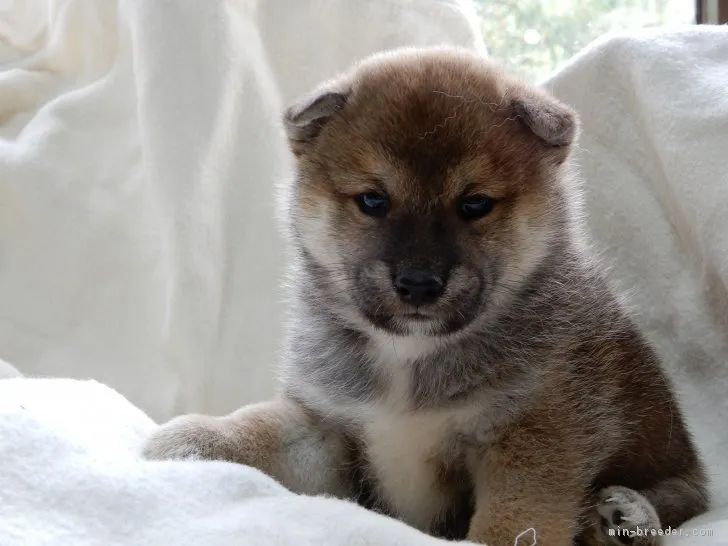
(534,37)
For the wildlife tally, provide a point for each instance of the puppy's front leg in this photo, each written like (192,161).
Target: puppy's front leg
(528,488)
(277,437)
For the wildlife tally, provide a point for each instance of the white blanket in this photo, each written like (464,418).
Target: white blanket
(138,147)
(71,476)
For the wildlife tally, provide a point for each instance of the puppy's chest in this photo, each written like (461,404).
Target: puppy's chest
(417,460)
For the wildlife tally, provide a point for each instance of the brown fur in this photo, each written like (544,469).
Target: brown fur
(525,397)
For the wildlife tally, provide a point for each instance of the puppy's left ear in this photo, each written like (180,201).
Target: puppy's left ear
(304,119)
(554,123)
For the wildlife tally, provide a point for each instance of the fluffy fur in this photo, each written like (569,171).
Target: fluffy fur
(523,396)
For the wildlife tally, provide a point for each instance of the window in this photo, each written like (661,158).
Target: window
(534,37)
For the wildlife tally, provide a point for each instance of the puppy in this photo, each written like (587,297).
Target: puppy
(455,358)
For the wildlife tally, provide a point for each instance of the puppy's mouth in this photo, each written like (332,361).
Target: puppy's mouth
(418,322)
(417,316)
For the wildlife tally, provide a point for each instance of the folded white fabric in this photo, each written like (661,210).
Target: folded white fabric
(654,158)
(139,148)
(71,475)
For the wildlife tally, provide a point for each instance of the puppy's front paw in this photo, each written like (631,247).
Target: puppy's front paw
(627,518)
(191,437)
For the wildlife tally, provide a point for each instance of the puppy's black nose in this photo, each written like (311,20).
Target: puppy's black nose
(418,286)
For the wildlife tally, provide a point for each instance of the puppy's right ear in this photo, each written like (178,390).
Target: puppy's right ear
(305,118)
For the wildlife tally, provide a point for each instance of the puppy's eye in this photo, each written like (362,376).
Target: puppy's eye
(472,208)
(373,204)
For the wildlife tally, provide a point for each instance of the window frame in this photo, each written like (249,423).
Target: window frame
(711,12)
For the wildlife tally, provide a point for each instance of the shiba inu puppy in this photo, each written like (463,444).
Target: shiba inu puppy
(455,358)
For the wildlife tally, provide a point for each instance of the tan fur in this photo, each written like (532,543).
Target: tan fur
(249,436)
(523,397)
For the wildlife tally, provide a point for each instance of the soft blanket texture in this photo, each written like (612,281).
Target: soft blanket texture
(71,475)
(139,142)
(139,147)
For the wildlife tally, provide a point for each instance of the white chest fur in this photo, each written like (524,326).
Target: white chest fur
(408,449)
(405,452)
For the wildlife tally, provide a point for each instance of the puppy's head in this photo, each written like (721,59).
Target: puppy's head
(429,186)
